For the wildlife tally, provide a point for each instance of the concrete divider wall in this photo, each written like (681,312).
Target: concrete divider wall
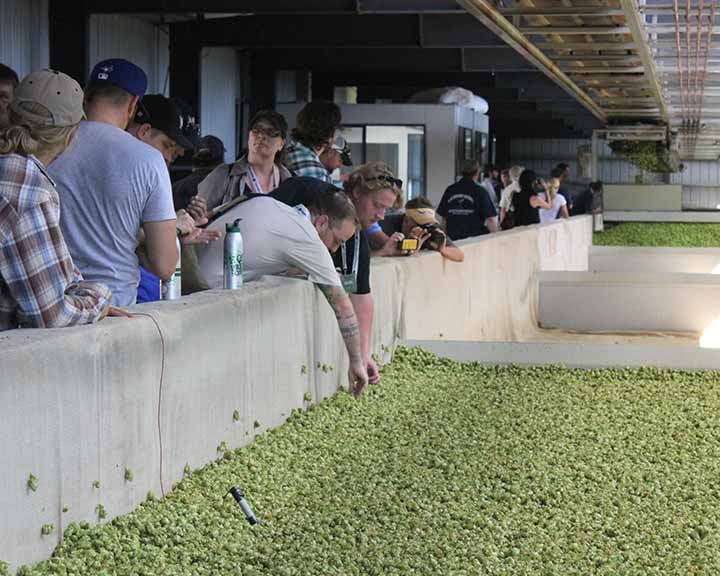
(651,259)
(654,197)
(625,301)
(80,405)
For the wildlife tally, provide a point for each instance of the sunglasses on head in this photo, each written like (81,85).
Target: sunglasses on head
(385,178)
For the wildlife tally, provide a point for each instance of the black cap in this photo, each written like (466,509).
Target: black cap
(209,150)
(162,114)
(274,119)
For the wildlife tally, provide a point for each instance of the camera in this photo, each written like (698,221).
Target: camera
(437,236)
(407,244)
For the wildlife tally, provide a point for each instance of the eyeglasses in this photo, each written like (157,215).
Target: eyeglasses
(385,178)
(265,130)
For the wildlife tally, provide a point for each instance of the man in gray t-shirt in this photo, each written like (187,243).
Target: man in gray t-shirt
(115,191)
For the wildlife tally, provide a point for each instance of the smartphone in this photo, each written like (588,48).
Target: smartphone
(408,244)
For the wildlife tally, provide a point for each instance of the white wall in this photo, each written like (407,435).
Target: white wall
(24,39)
(140,41)
(219,95)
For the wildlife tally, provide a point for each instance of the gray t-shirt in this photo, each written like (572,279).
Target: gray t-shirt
(109,184)
(276,238)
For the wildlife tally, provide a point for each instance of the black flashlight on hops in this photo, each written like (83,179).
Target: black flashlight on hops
(239,496)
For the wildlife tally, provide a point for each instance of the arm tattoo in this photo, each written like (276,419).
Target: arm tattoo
(347,321)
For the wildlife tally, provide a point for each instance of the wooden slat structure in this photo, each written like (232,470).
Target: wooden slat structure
(653,61)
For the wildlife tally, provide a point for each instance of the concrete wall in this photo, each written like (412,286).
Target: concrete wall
(643,259)
(83,404)
(655,197)
(628,301)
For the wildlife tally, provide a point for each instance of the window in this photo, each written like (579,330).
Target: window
(402,148)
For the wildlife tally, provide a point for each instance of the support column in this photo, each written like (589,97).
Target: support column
(68,31)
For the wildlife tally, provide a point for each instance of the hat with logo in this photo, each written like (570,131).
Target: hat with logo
(59,94)
(209,150)
(121,73)
(340,144)
(162,114)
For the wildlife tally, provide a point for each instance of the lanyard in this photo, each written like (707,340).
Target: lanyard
(356,254)
(256,182)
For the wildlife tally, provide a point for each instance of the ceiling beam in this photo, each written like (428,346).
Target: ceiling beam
(341,31)
(561,11)
(586,46)
(574,30)
(274,7)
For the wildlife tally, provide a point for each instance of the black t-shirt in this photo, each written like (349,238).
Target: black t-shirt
(525,214)
(363,271)
(183,190)
(465,206)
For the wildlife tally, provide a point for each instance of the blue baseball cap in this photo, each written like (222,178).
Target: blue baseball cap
(120,73)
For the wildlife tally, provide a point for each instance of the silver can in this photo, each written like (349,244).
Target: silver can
(172,289)
(233,257)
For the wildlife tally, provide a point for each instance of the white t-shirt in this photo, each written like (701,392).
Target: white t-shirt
(551,214)
(507,194)
(276,238)
(109,183)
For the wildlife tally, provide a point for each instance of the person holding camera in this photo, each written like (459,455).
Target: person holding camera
(421,231)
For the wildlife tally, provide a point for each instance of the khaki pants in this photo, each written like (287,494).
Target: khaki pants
(598,225)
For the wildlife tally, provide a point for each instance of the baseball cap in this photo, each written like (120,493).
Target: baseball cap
(274,119)
(422,216)
(340,144)
(121,73)
(209,149)
(162,114)
(55,91)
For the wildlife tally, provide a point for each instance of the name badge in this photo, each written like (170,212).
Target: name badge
(349,283)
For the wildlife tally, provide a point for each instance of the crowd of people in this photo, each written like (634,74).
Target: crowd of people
(90,222)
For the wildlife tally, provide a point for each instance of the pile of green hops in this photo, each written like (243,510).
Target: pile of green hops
(447,468)
(672,234)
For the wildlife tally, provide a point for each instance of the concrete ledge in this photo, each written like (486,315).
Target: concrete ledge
(654,216)
(617,301)
(657,197)
(82,404)
(644,259)
(576,354)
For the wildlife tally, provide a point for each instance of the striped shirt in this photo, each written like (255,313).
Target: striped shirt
(39,285)
(303,161)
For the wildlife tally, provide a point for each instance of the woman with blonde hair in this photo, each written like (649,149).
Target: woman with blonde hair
(373,189)
(506,197)
(39,285)
(558,204)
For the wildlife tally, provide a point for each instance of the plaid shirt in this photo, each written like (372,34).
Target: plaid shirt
(39,285)
(302,161)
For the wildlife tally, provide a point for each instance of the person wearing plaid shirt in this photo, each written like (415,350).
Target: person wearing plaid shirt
(39,285)
(316,125)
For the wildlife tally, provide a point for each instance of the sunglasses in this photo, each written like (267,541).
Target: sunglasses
(265,130)
(384,178)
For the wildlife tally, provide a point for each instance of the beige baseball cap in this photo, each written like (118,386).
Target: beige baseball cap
(57,92)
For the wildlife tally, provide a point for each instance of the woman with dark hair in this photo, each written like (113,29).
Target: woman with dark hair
(526,202)
(258,171)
